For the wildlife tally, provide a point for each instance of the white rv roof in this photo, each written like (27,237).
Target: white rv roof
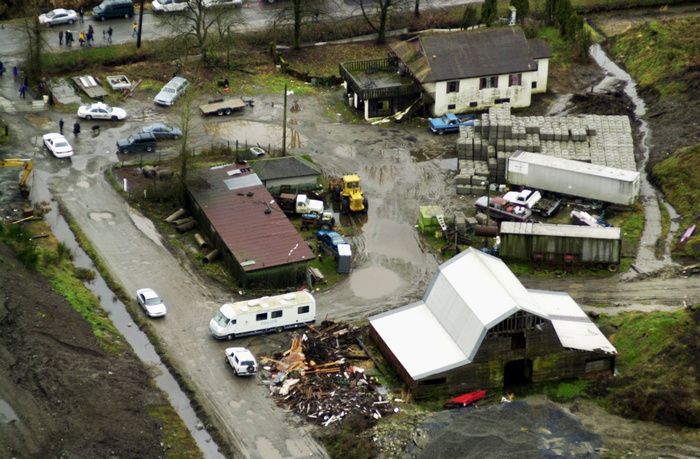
(553,162)
(468,295)
(267,303)
(548,229)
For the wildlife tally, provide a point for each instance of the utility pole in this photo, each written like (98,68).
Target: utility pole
(284,124)
(138,36)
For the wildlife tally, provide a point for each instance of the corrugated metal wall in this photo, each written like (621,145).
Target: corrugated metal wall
(524,246)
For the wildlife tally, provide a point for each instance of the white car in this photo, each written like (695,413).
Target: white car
(217,3)
(58,145)
(101,111)
(242,361)
(58,16)
(151,303)
(168,6)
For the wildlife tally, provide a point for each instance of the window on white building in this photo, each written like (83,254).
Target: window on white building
(515,79)
(534,85)
(488,82)
(452,86)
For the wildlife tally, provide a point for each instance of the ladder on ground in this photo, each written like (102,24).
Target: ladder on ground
(441,222)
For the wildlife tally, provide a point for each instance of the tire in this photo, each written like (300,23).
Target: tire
(220,112)
(613,268)
(441,131)
(124,151)
(227,111)
(114,118)
(149,149)
(71,21)
(278,330)
(235,371)
(365,203)
(88,117)
(230,337)
(344,205)
(102,18)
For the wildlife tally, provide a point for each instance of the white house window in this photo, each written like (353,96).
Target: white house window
(452,86)
(515,79)
(451,106)
(534,85)
(488,82)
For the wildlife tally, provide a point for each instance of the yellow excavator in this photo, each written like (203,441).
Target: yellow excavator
(27,164)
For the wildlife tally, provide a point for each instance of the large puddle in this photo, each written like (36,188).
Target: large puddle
(124,323)
(374,282)
(265,135)
(646,261)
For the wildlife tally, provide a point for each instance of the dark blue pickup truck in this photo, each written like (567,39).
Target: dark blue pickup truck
(450,122)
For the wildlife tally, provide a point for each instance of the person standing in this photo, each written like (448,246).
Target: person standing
(104,35)
(81,12)
(76,128)
(60,38)
(89,38)
(134,29)
(81,38)
(23,91)
(109,34)
(15,72)
(60,126)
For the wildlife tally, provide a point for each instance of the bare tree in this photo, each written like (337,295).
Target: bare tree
(202,25)
(379,11)
(34,43)
(186,114)
(299,13)
(416,10)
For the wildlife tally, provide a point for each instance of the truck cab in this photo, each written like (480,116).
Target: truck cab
(449,122)
(304,205)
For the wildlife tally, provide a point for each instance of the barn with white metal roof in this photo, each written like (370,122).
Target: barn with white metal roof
(477,326)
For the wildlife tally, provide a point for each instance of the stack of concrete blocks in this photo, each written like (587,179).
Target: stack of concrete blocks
(483,150)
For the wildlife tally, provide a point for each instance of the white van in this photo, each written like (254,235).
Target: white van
(262,315)
(169,6)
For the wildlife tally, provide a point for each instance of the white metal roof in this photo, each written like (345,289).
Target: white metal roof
(574,329)
(554,162)
(548,229)
(418,340)
(468,295)
(267,303)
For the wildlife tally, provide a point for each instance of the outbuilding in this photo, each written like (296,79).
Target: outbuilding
(478,327)
(289,172)
(544,242)
(241,219)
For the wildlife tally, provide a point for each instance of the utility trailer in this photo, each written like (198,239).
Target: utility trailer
(221,107)
(573,178)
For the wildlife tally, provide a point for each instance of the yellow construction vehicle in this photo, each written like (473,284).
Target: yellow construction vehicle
(27,164)
(348,193)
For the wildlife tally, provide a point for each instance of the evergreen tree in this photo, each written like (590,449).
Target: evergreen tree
(470,17)
(489,11)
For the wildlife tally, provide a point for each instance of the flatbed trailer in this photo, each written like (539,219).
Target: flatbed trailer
(221,107)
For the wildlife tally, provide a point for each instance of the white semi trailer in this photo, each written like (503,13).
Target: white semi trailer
(573,178)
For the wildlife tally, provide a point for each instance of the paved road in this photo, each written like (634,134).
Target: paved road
(253,16)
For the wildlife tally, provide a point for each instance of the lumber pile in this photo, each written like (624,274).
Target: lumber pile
(316,377)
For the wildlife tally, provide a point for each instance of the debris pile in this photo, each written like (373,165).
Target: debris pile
(316,379)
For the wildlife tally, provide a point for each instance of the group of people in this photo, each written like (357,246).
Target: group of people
(76,127)
(85,39)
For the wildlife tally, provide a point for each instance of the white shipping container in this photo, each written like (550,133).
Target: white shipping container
(574,178)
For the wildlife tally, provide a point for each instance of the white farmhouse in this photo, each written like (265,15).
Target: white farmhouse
(475,69)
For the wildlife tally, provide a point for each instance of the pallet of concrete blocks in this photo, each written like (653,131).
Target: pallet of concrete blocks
(464,190)
(463,179)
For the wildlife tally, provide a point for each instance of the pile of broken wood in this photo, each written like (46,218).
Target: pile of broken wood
(316,379)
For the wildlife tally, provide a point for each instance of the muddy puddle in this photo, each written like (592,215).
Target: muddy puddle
(124,323)
(374,282)
(256,133)
(646,261)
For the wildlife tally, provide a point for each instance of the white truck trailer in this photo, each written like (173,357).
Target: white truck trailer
(262,315)
(573,178)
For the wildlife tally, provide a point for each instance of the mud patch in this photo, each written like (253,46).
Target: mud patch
(256,133)
(374,282)
(104,216)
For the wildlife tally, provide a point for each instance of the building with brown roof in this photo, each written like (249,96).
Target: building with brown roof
(241,219)
(475,69)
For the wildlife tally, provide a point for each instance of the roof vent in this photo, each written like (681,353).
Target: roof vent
(249,194)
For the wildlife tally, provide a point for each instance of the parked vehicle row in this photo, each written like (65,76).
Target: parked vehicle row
(147,139)
(173,6)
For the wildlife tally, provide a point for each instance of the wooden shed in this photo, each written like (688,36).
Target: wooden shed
(552,243)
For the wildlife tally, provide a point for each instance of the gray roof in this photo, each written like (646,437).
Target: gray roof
(471,53)
(286,167)
(548,229)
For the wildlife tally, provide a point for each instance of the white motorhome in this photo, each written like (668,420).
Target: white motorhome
(262,315)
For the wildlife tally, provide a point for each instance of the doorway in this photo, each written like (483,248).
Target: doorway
(517,373)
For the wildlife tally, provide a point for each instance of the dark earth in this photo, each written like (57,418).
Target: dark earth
(75,399)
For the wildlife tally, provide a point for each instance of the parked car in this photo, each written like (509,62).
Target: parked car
(142,141)
(449,122)
(171,91)
(58,16)
(169,6)
(110,9)
(216,3)
(151,303)
(242,361)
(101,111)
(58,145)
(162,131)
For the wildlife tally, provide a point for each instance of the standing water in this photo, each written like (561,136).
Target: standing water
(124,323)
(646,261)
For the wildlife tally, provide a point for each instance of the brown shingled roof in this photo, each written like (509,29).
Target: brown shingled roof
(257,240)
(470,53)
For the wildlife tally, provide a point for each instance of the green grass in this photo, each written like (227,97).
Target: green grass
(632,225)
(562,55)
(641,337)
(114,55)
(597,5)
(658,53)
(270,83)
(680,183)
(174,434)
